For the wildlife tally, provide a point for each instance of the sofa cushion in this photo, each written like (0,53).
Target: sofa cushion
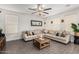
(52,32)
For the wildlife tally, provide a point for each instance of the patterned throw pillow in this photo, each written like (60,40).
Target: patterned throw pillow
(28,33)
(63,34)
(57,34)
(32,33)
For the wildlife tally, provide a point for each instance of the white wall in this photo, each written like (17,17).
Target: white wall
(69,17)
(23,23)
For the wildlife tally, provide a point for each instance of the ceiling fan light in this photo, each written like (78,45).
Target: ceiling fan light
(40,9)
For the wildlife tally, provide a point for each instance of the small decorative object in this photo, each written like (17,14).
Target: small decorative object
(62,20)
(41,37)
(36,23)
(51,22)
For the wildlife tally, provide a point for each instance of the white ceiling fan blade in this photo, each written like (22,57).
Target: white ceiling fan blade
(47,9)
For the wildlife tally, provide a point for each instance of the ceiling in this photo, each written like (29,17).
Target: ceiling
(56,8)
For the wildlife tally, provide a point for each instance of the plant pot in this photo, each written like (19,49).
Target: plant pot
(76,33)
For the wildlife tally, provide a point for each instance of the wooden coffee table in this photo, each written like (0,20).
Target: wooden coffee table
(41,43)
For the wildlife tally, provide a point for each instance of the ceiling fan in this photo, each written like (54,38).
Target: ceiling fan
(40,9)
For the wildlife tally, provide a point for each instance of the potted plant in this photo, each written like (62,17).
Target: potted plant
(75,28)
(0,32)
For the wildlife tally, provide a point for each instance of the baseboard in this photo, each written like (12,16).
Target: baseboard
(11,39)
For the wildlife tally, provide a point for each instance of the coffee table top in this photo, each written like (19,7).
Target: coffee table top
(42,40)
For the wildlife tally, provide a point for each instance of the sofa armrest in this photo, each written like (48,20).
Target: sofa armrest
(68,37)
(25,36)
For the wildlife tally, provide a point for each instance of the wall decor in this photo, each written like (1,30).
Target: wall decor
(51,22)
(62,21)
(36,23)
(44,22)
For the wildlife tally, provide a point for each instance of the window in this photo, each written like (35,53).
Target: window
(11,24)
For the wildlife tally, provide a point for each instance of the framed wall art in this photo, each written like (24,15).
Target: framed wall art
(36,23)
(51,22)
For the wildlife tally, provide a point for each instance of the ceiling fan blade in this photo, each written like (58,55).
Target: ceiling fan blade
(34,12)
(47,9)
(32,9)
(45,12)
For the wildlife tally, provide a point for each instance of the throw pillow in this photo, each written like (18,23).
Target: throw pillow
(25,35)
(28,33)
(49,32)
(62,34)
(57,34)
(32,33)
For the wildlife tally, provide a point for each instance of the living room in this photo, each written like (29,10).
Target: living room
(23,24)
